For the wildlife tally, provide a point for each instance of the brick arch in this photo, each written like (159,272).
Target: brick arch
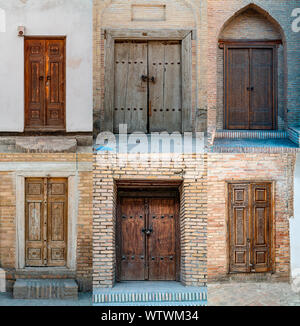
(259,10)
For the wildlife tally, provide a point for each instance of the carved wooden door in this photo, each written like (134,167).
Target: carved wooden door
(44,84)
(146,244)
(46,222)
(250,227)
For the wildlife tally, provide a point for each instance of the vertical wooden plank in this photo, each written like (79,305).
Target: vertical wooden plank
(132,221)
(34,83)
(57,222)
(262,103)
(261,227)
(107,124)
(165,89)
(187,83)
(130,98)
(34,222)
(239,228)
(55,84)
(237,88)
(162,240)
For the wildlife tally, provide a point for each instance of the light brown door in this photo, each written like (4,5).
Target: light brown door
(146,244)
(46,222)
(44,84)
(148,90)
(250,227)
(249,88)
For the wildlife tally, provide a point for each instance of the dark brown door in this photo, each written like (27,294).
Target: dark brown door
(250,227)
(249,88)
(146,244)
(45,84)
(46,222)
(148,91)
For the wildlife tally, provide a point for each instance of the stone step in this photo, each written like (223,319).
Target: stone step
(62,289)
(137,294)
(251,134)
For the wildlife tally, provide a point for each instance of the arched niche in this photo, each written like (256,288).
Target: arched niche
(252,24)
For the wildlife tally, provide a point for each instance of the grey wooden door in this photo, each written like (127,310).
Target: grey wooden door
(130,88)
(148,90)
(165,95)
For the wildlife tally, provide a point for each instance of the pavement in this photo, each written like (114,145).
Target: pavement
(84,299)
(252,294)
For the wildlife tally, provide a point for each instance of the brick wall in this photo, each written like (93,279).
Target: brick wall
(220,12)
(83,197)
(223,168)
(180,14)
(191,170)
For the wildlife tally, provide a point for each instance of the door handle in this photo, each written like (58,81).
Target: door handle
(144,78)
(153,80)
(250,88)
(41,78)
(48,77)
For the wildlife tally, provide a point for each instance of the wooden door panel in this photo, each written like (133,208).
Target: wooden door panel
(261,114)
(55,83)
(239,228)
(165,90)
(57,222)
(130,99)
(132,221)
(162,242)
(34,222)
(237,81)
(261,215)
(250,227)
(46,222)
(34,83)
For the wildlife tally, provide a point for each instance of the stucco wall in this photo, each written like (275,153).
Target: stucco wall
(70,18)
(295,224)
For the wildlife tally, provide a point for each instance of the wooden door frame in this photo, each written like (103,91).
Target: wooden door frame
(272,231)
(112,35)
(146,193)
(44,129)
(250,44)
(71,217)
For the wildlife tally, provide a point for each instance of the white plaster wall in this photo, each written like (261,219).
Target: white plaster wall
(295,226)
(70,18)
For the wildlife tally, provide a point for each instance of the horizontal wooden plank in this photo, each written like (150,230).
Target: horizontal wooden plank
(148,34)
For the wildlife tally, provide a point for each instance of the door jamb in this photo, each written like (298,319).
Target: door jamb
(185,36)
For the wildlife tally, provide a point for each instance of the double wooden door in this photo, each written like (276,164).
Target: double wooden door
(46,222)
(147,242)
(250,227)
(250,85)
(147,88)
(44,84)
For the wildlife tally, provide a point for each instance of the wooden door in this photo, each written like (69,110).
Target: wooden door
(147,89)
(146,242)
(250,227)
(44,84)
(130,86)
(46,222)
(249,88)
(261,113)
(165,91)
(237,94)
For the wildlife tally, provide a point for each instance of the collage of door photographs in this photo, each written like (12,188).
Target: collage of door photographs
(149,153)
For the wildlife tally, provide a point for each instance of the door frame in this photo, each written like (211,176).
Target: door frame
(20,262)
(185,36)
(272,230)
(146,193)
(250,44)
(44,129)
